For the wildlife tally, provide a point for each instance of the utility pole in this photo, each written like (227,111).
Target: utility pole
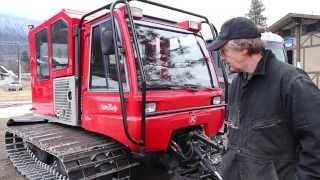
(19,63)
(298,43)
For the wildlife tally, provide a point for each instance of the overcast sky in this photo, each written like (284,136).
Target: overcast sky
(216,10)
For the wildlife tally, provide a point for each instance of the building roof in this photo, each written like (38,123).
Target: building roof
(289,20)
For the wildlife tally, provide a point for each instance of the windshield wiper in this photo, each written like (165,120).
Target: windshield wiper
(191,87)
(159,86)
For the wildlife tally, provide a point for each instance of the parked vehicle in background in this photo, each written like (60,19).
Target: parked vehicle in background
(15,86)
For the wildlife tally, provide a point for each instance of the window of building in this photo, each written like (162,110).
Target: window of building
(103,74)
(59,33)
(42,54)
(287,33)
(311,28)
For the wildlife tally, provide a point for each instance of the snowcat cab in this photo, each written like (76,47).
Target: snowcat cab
(113,89)
(275,43)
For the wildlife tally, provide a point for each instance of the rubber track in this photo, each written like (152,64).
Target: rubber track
(83,155)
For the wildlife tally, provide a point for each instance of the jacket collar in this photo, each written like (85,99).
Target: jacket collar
(261,67)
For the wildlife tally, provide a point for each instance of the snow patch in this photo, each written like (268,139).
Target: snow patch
(15,111)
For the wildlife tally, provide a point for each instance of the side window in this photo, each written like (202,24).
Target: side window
(42,54)
(103,74)
(59,33)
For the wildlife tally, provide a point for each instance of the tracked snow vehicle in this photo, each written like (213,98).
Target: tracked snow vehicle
(115,91)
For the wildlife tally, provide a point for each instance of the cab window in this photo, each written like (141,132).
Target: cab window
(103,74)
(59,33)
(42,55)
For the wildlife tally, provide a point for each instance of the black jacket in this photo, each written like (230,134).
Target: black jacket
(274,132)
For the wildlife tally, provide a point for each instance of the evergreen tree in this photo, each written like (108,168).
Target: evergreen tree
(255,13)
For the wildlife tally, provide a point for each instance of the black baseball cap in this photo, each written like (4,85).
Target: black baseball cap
(235,28)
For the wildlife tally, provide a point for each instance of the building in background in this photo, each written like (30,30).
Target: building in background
(6,76)
(301,33)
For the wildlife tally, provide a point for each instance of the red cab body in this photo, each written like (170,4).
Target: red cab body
(53,57)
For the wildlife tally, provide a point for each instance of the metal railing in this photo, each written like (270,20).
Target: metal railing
(315,77)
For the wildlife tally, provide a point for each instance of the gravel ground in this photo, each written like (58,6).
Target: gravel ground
(9,100)
(7,171)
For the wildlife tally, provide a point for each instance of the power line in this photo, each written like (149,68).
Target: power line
(13,43)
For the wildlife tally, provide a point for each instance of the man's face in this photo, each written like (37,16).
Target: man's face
(234,58)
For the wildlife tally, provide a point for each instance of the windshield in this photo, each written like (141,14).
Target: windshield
(172,59)
(277,49)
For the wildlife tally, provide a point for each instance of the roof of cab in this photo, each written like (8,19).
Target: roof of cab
(269,36)
(74,14)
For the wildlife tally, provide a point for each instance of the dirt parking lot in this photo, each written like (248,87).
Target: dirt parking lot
(7,171)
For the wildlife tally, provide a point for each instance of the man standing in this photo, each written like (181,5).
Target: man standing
(274,111)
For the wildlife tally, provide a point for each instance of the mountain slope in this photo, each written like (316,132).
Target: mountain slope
(14,28)
(13,41)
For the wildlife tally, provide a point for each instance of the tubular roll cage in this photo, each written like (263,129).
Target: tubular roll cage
(111,8)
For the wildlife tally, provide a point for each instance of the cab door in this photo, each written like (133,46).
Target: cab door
(40,69)
(101,100)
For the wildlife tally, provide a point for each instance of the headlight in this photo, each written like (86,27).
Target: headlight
(216,100)
(150,107)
